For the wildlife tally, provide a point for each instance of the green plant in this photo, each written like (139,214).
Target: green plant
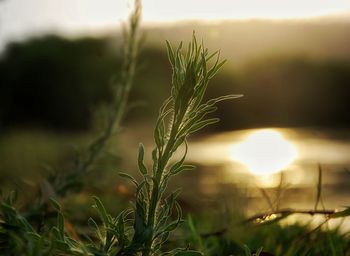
(182,114)
(146,227)
(59,183)
(17,230)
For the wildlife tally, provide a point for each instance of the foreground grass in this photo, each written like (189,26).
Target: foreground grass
(275,239)
(212,235)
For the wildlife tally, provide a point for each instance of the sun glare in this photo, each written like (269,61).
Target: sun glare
(160,10)
(264,152)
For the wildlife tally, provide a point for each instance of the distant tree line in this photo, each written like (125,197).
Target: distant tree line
(293,91)
(56,83)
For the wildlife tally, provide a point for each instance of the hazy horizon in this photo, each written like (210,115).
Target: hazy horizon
(337,19)
(76,18)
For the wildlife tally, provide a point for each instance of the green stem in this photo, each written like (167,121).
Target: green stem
(122,96)
(162,163)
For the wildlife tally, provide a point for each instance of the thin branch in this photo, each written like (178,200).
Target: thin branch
(267,198)
(279,192)
(319,187)
(285,212)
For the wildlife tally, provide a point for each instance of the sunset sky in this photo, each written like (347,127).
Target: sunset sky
(20,18)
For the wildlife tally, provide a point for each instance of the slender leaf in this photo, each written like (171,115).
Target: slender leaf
(128,177)
(142,166)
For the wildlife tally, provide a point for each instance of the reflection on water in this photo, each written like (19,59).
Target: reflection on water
(256,159)
(261,153)
(264,152)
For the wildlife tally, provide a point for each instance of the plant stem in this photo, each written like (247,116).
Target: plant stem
(183,113)
(131,43)
(162,163)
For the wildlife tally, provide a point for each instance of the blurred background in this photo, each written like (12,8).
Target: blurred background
(290,60)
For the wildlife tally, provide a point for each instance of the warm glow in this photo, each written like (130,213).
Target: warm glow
(160,10)
(264,152)
(77,16)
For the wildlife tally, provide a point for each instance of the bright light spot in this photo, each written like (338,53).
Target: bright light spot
(264,152)
(266,218)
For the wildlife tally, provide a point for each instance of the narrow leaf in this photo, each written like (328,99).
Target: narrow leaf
(170,53)
(101,210)
(55,204)
(60,224)
(142,166)
(188,253)
(200,125)
(128,177)
(179,163)
(226,97)
(183,168)
(339,214)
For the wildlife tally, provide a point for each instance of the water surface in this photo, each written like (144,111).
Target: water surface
(290,159)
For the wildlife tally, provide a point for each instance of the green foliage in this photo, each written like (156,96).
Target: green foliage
(19,237)
(297,240)
(60,183)
(146,227)
(182,114)
(54,240)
